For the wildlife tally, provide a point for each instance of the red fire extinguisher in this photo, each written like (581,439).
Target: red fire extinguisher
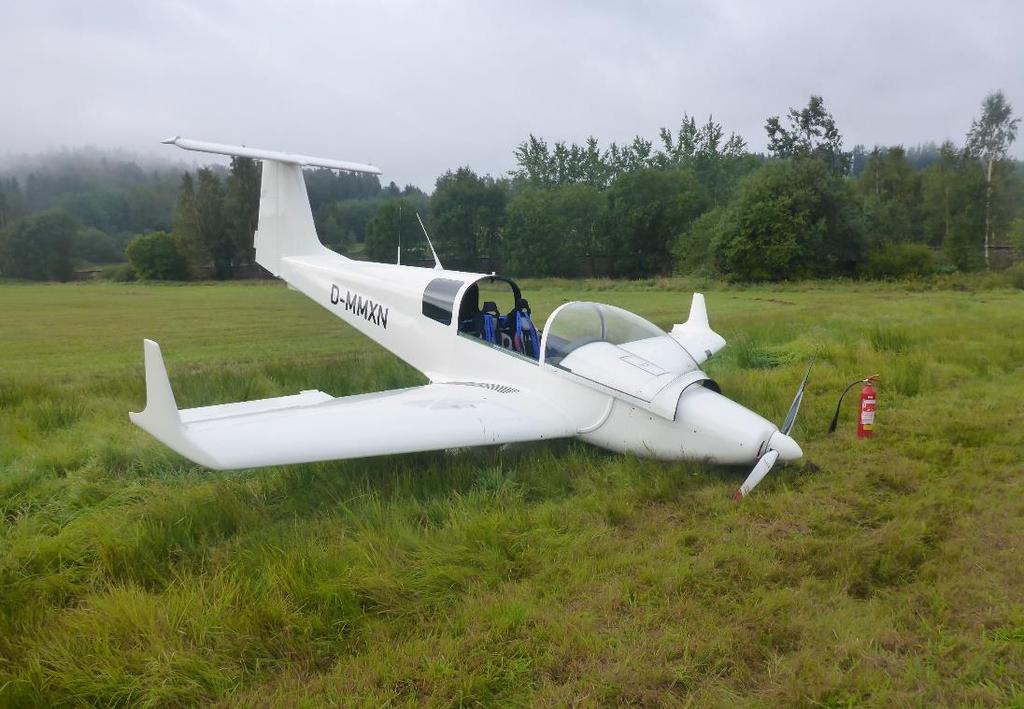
(866,415)
(866,420)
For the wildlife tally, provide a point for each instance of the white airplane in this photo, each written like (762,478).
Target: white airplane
(596,372)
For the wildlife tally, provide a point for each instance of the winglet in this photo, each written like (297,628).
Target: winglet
(696,335)
(160,418)
(161,409)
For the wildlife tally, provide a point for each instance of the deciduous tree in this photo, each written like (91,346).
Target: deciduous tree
(550,232)
(467,214)
(647,210)
(790,219)
(890,195)
(155,256)
(988,141)
(395,224)
(811,131)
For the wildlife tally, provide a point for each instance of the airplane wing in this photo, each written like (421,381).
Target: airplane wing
(314,426)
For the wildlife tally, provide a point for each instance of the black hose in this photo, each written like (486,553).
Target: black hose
(835,419)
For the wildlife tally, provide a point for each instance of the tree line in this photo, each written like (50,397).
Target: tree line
(700,202)
(696,200)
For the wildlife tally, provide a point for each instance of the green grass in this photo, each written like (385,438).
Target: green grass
(879,572)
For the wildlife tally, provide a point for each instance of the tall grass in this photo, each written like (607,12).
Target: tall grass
(874,572)
(890,338)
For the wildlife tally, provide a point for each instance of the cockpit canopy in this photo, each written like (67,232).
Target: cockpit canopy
(616,349)
(580,323)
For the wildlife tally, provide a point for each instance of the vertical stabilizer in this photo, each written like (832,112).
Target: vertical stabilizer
(698,312)
(696,335)
(286,221)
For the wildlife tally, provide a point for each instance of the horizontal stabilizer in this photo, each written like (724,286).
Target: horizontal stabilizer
(696,335)
(314,426)
(203,146)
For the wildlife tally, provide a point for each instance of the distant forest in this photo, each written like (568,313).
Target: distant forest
(693,201)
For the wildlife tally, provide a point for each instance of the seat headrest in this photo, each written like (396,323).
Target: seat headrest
(490,307)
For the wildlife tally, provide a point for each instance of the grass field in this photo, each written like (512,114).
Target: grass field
(879,572)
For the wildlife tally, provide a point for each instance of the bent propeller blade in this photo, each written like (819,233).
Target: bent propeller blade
(768,460)
(787,424)
(757,474)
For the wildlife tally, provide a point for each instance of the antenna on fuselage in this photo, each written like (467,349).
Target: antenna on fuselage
(399,261)
(437,261)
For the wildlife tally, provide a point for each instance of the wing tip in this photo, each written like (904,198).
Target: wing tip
(160,410)
(160,417)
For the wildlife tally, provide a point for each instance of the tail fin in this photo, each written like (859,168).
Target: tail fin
(286,221)
(696,334)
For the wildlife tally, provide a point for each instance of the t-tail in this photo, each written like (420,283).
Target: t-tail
(286,226)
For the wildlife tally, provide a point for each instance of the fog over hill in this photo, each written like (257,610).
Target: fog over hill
(90,159)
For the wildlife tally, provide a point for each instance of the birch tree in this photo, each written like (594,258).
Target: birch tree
(988,141)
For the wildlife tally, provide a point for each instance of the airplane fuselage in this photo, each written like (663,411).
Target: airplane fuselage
(385,303)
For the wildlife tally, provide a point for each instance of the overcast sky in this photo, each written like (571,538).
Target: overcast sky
(418,88)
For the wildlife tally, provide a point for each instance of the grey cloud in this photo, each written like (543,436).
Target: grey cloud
(420,88)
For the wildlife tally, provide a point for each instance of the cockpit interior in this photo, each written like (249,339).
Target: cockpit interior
(494,310)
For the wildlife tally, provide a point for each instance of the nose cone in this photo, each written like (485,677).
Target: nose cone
(788,448)
(712,427)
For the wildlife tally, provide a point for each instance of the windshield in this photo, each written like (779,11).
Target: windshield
(577,324)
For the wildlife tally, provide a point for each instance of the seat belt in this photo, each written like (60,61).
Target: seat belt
(523,323)
(489,329)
